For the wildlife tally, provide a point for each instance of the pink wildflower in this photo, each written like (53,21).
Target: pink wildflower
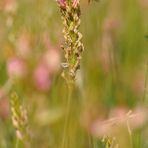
(16,67)
(41,77)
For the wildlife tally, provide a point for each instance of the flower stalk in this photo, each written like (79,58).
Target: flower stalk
(19,120)
(73,47)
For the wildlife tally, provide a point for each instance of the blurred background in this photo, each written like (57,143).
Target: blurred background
(109,98)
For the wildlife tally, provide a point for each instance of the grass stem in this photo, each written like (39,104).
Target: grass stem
(66,122)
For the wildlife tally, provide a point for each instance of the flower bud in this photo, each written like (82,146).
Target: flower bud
(62,3)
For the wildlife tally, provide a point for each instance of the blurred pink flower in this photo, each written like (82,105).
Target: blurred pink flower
(52,56)
(140,117)
(120,113)
(10,6)
(16,67)
(52,59)
(120,117)
(41,77)
(101,128)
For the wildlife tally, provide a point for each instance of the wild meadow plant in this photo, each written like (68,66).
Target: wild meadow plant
(73,48)
(101,117)
(20,121)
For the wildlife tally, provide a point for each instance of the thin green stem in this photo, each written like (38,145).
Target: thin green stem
(70,88)
(145,85)
(17,143)
(131,140)
(144,99)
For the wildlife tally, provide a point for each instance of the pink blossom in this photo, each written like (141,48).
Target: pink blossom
(52,59)
(16,67)
(118,119)
(52,56)
(41,77)
(101,128)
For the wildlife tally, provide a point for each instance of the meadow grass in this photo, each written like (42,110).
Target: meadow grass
(109,97)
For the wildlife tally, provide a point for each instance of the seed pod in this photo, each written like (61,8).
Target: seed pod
(72,46)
